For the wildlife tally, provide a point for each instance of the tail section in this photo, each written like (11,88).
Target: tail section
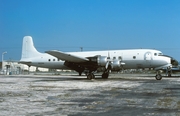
(28,49)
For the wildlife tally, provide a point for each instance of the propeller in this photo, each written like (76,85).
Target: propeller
(107,64)
(108,61)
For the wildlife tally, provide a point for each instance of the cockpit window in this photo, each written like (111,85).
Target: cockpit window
(159,54)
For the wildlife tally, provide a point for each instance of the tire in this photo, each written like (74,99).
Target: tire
(90,76)
(105,75)
(158,77)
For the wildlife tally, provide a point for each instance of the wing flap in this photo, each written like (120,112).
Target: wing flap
(66,56)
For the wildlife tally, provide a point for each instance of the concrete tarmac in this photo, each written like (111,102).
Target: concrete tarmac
(72,95)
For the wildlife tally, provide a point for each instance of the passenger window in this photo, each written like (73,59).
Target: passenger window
(53,59)
(114,57)
(134,57)
(155,54)
(49,60)
(120,58)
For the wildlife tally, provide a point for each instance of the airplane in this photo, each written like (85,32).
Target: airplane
(90,62)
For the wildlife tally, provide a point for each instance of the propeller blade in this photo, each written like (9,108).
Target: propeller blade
(107,64)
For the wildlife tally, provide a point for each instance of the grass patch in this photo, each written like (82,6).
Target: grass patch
(178,105)
(165,102)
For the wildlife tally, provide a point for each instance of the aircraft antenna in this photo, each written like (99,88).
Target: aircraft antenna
(81,49)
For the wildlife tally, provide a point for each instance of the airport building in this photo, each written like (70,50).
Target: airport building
(12,67)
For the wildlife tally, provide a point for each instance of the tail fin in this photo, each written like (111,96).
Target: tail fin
(28,49)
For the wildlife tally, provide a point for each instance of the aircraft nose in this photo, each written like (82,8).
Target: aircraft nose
(173,61)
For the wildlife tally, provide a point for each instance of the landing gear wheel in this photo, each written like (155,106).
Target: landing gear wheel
(158,77)
(90,76)
(105,75)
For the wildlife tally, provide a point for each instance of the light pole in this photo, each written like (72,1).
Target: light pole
(2,59)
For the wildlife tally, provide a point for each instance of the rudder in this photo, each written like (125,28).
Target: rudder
(28,49)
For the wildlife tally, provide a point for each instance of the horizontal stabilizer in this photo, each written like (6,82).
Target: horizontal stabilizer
(67,57)
(25,62)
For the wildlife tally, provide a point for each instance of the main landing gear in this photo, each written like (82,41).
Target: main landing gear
(91,75)
(105,75)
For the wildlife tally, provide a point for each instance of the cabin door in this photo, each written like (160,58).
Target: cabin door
(148,58)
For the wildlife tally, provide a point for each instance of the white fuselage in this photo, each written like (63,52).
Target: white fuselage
(133,59)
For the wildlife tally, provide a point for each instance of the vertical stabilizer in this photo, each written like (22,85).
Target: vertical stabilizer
(28,49)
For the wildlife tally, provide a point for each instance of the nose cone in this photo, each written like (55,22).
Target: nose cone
(173,61)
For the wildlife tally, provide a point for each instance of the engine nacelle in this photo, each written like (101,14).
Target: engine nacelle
(116,65)
(102,60)
(99,60)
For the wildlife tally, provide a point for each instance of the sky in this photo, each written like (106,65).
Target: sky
(68,25)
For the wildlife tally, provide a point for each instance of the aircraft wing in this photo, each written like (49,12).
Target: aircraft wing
(67,57)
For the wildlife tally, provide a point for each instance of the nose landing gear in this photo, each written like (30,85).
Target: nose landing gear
(158,75)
